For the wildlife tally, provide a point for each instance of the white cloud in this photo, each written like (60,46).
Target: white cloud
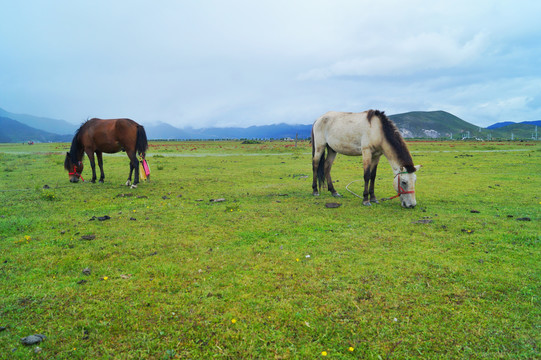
(418,53)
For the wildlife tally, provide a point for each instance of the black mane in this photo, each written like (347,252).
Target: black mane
(75,148)
(393,137)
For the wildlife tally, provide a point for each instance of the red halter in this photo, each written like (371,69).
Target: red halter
(401,190)
(75,173)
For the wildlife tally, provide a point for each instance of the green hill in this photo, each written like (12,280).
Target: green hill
(441,124)
(433,124)
(514,131)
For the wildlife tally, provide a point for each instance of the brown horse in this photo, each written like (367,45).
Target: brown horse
(106,136)
(370,134)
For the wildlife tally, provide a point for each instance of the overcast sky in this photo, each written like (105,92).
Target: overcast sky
(240,63)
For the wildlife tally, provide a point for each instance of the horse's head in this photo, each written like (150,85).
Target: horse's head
(74,169)
(404,184)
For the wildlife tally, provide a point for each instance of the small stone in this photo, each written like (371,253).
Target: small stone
(423,221)
(332,205)
(524,219)
(33,339)
(88,237)
(475,211)
(37,350)
(86,271)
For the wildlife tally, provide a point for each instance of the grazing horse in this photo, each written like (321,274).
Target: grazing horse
(106,136)
(369,134)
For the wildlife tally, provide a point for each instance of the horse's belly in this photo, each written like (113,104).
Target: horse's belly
(351,147)
(112,148)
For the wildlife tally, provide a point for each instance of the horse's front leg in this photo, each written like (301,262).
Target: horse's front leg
(99,155)
(367,162)
(373,172)
(90,155)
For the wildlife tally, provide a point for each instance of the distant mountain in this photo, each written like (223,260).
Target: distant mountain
(507,123)
(42,123)
(14,131)
(278,131)
(500,124)
(163,131)
(432,124)
(416,124)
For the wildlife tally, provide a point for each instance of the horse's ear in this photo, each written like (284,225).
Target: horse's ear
(417,167)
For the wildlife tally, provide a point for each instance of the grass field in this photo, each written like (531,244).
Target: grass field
(270,272)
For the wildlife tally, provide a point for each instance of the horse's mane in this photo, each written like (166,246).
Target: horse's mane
(75,148)
(393,137)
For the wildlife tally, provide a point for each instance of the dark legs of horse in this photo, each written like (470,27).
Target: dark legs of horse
(134,166)
(99,155)
(370,172)
(321,168)
(90,155)
(331,155)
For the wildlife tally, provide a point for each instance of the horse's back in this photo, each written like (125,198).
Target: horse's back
(110,135)
(345,132)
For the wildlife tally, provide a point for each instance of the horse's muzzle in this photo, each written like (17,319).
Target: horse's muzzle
(74,179)
(408,206)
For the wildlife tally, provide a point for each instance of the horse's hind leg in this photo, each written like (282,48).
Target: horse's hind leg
(318,159)
(128,183)
(134,166)
(331,155)
(99,155)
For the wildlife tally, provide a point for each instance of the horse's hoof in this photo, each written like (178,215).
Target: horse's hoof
(93,181)
(335,194)
(374,201)
(367,203)
(315,193)
(128,183)
(134,186)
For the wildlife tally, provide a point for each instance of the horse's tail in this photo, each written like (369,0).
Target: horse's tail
(321,165)
(141,144)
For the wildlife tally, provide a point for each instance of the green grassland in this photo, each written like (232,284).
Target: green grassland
(270,272)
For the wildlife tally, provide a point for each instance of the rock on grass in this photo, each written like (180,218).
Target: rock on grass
(33,339)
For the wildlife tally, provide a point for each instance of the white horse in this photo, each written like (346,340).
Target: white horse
(369,134)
